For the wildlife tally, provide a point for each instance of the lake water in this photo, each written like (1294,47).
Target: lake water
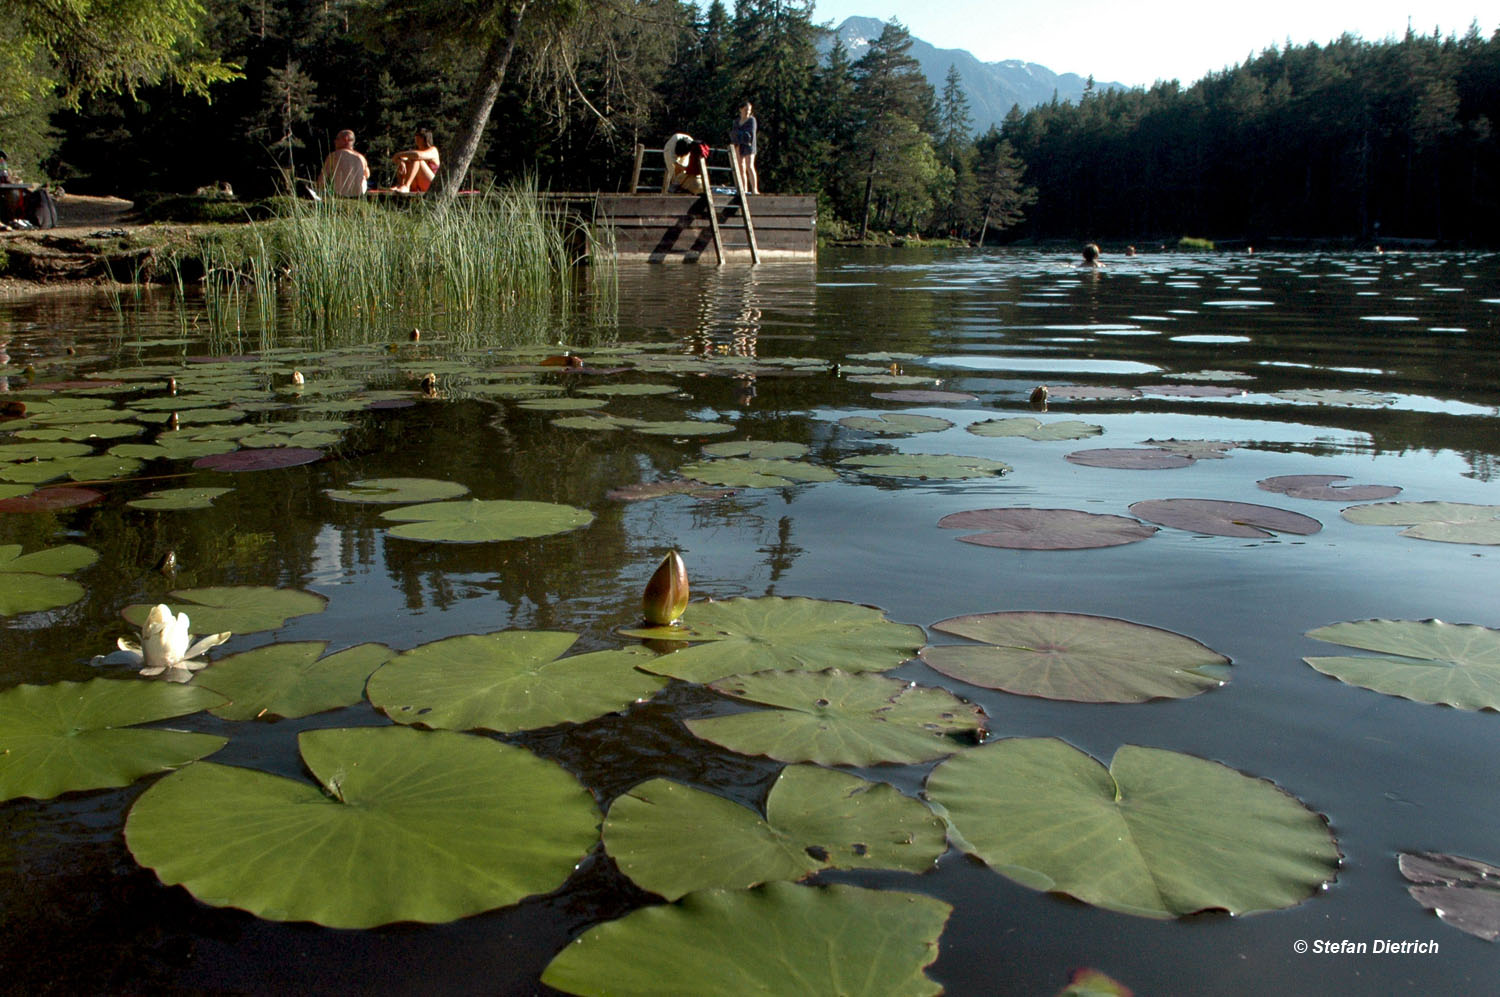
(1385,369)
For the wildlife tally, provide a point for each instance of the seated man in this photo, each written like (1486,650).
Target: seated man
(345,172)
(415,167)
(681,175)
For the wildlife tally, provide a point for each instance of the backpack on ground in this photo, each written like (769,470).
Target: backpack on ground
(40,208)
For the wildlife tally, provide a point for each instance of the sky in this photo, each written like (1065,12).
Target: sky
(1137,42)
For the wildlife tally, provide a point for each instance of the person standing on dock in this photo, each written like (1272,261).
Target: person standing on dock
(742,139)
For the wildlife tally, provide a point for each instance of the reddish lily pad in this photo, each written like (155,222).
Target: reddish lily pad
(1076,657)
(1192,390)
(1321,486)
(1225,519)
(1130,458)
(1046,529)
(1463,892)
(259,460)
(50,500)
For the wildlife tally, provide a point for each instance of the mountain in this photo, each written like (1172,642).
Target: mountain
(992,87)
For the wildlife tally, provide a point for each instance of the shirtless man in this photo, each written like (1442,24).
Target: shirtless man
(415,167)
(345,172)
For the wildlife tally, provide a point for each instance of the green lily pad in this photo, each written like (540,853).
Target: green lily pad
(513,389)
(1034,429)
(1455,664)
(1085,659)
(925,466)
(1333,396)
(77,735)
(751,472)
(484,520)
(835,718)
(623,390)
(1157,833)
(751,635)
(507,681)
(435,826)
(1322,486)
(783,939)
(14,452)
(1447,522)
(1046,529)
(895,424)
(172,446)
(14,491)
(50,561)
(385,491)
(28,583)
(561,404)
(178,498)
(291,680)
(1463,892)
(684,427)
(1196,449)
(240,609)
(672,839)
(86,431)
(596,423)
(757,449)
(304,440)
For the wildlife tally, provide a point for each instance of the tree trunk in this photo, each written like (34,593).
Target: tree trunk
(450,179)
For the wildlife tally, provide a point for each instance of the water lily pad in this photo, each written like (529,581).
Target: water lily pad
(293,441)
(436,826)
(507,681)
(484,520)
(1130,458)
(835,718)
(267,459)
(1429,661)
(1463,892)
(51,499)
(1333,396)
(624,390)
(596,423)
(291,680)
(13,491)
(50,561)
(757,449)
(684,427)
(1225,519)
(750,635)
(1157,833)
(1087,393)
(1321,486)
(751,472)
(783,939)
(386,491)
(560,404)
(658,489)
(14,452)
(172,446)
(178,498)
(1035,429)
(895,424)
(925,466)
(1072,656)
(78,735)
(86,431)
(1446,522)
(672,839)
(919,397)
(1046,529)
(1191,390)
(1196,449)
(239,609)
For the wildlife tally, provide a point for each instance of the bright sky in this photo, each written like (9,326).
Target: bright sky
(1137,42)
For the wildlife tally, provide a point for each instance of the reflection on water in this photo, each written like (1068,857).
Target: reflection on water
(1309,373)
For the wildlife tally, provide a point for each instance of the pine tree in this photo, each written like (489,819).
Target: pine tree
(893,102)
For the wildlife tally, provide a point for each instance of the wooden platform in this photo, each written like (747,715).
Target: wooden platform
(675,228)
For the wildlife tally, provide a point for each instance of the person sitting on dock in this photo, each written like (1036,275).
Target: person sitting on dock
(345,172)
(681,176)
(416,166)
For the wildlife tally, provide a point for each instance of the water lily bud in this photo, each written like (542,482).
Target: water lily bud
(297,377)
(666,595)
(1039,396)
(416,334)
(429,385)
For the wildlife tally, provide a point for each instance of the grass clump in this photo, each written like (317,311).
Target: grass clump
(1190,242)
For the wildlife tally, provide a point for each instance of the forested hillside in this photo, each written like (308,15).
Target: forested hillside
(1352,139)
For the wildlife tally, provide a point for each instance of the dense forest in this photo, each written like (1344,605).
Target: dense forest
(1353,139)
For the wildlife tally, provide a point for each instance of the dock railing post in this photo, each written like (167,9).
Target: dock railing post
(635,172)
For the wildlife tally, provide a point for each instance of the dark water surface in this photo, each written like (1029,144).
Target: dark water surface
(1411,343)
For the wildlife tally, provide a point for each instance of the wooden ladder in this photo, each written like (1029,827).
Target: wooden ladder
(713,209)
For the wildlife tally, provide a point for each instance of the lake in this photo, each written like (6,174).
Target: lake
(1383,369)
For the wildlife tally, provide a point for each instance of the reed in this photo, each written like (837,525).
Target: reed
(480,263)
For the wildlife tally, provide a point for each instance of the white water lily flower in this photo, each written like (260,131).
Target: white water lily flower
(163,649)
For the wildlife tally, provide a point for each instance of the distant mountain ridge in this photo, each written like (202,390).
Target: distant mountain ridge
(993,88)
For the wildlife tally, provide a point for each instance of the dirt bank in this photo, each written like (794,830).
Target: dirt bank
(89,231)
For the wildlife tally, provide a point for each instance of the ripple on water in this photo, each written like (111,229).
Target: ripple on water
(1388,318)
(1207,338)
(1061,365)
(1237,303)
